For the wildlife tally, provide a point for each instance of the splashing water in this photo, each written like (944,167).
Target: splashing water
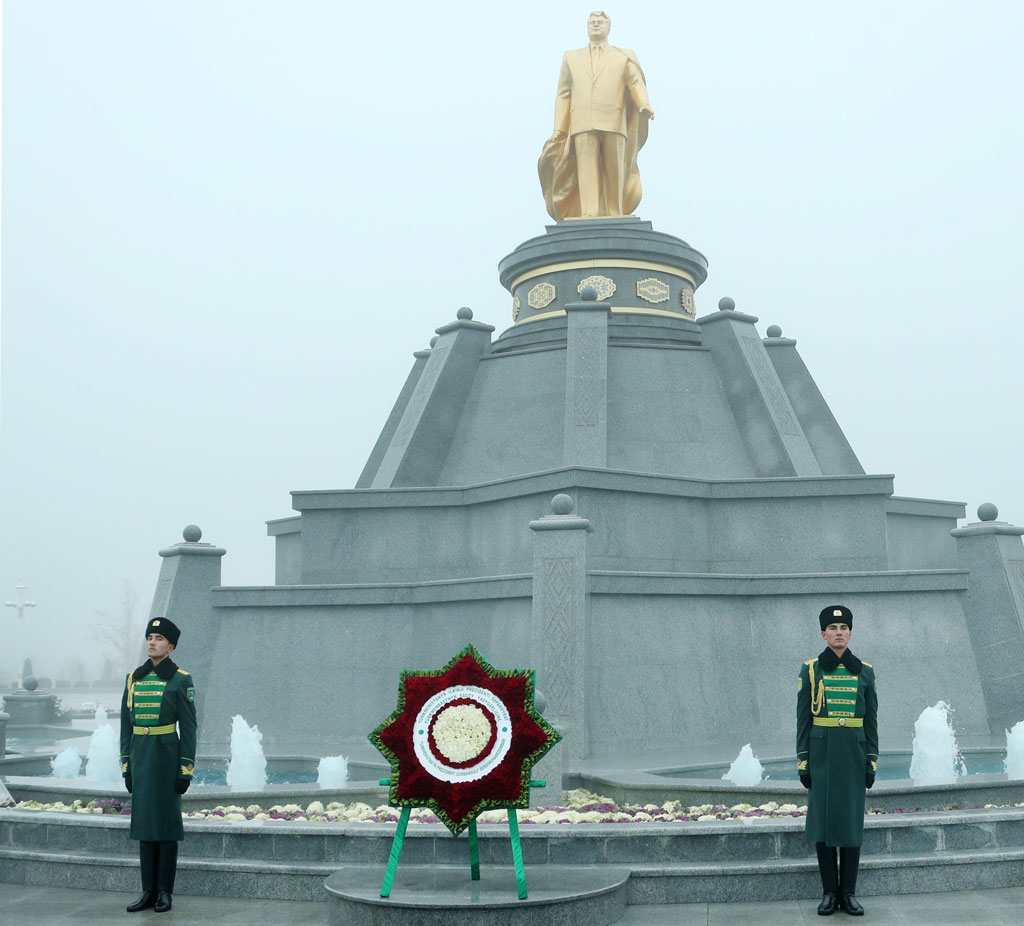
(936,759)
(746,769)
(101,715)
(332,772)
(103,762)
(1014,761)
(247,770)
(67,764)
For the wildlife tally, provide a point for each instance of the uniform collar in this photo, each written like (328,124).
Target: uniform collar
(164,670)
(829,661)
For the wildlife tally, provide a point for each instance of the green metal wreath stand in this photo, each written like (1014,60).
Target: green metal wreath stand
(474,852)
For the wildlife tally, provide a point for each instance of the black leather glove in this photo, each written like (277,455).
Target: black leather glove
(805,779)
(181,785)
(128,782)
(869,779)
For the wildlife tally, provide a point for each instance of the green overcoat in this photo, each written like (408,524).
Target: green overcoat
(155,697)
(837,744)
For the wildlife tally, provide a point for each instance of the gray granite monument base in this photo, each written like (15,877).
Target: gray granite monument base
(430,896)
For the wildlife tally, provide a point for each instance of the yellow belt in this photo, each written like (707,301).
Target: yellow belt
(155,731)
(838,721)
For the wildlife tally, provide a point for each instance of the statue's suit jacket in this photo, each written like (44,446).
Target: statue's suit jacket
(596,100)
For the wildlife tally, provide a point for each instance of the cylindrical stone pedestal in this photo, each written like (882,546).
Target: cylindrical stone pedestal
(633,268)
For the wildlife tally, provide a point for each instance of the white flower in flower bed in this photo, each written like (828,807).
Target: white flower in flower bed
(315,807)
(461,732)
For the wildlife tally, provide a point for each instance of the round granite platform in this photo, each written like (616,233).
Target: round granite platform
(438,896)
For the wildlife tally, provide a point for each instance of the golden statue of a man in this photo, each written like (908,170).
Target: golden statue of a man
(588,166)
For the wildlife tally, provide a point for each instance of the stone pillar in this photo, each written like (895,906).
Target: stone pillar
(993,553)
(586,381)
(770,427)
(3,733)
(832,450)
(559,629)
(423,433)
(188,572)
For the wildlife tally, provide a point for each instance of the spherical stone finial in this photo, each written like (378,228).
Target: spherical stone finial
(464,314)
(726,304)
(192,533)
(539,701)
(588,294)
(433,340)
(987,511)
(562,504)
(30,683)
(774,331)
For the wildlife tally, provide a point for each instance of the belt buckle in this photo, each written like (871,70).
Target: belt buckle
(842,721)
(146,729)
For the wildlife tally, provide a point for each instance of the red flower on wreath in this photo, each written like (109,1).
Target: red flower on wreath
(464,739)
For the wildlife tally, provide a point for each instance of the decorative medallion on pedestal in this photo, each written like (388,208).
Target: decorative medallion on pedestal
(464,739)
(686,298)
(651,289)
(517,305)
(605,286)
(541,296)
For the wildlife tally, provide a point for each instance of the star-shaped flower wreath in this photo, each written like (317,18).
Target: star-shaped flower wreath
(464,739)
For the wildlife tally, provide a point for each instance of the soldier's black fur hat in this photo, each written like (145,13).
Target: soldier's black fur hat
(168,629)
(835,614)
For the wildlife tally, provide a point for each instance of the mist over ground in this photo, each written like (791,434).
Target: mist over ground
(228,225)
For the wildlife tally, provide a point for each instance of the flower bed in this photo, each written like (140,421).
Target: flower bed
(581,807)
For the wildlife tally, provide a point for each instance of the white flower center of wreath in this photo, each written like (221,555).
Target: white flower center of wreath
(483,763)
(460,732)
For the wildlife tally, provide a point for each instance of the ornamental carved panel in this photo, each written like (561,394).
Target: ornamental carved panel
(686,298)
(517,304)
(605,286)
(541,296)
(652,290)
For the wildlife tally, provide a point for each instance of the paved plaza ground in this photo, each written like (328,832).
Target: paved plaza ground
(48,906)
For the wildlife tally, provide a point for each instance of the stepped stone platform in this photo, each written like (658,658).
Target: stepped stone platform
(667,862)
(424,896)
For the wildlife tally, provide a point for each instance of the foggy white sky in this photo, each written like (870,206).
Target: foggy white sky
(228,225)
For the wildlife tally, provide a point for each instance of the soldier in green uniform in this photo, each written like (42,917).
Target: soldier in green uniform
(837,756)
(158,749)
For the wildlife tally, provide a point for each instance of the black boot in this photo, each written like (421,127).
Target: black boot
(849,862)
(147,868)
(166,869)
(829,872)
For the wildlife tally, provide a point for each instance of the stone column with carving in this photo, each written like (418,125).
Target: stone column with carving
(993,554)
(586,381)
(559,633)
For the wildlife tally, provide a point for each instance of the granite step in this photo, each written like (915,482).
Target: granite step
(425,895)
(664,883)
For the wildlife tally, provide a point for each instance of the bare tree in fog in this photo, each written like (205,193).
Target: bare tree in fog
(119,631)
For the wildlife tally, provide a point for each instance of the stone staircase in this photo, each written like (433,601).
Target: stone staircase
(665,862)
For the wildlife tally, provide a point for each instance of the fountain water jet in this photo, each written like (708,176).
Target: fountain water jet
(746,769)
(936,760)
(67,764)
(332,772)
(103,762)
(247,768)
(1014,761)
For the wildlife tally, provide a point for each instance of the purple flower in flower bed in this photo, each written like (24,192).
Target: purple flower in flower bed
(278,816)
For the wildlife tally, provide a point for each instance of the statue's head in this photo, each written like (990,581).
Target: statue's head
(599,24)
